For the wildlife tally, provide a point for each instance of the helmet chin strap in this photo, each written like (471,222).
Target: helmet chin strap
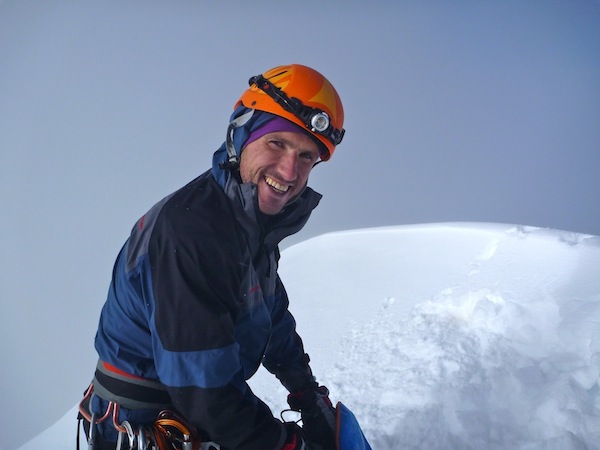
(233,159)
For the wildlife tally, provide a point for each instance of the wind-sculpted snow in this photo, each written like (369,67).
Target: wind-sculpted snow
(505,356)
(448,336)
(470,371)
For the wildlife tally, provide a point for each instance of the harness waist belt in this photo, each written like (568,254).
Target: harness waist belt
(129,391)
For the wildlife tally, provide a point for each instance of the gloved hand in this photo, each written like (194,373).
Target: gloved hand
(294,440)
(318,416)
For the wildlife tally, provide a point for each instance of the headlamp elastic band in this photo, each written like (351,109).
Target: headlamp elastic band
(316,120)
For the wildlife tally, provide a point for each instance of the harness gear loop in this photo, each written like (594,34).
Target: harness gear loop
(111,410)
(168,432)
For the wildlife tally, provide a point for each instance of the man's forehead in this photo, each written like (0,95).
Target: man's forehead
(295,139)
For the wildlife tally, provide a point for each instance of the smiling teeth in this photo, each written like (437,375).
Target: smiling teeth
(274,184)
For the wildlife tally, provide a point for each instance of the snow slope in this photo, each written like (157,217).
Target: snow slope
(446,336)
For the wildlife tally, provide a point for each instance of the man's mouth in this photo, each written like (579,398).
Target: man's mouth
(275,185)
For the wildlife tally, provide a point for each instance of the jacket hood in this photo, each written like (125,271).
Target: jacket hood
(221,168)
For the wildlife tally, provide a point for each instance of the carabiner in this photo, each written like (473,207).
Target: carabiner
(130,434)
(92,435)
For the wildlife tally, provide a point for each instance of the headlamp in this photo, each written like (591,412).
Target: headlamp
(316,120)
(319,122)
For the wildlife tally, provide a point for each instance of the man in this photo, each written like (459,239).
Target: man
(196,305)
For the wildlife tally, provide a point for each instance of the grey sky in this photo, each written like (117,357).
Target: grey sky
(455,111)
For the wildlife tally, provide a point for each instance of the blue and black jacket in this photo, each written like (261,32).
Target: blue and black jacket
(196,305)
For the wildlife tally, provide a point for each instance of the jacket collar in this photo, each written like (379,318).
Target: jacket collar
(265,230)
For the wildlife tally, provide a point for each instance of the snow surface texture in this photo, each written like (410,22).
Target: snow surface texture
(446,336)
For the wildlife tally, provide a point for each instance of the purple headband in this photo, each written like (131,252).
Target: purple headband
(277,124)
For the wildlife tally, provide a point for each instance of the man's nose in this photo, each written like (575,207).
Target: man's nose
(288,166)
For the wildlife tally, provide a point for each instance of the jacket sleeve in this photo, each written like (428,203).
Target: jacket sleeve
(195,285)
(285,356)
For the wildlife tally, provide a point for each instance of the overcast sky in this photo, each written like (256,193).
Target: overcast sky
(455,111)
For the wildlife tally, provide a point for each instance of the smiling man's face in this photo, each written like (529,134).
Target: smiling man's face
(278,164)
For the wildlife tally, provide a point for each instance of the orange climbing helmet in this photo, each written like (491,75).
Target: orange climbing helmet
(303,96)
